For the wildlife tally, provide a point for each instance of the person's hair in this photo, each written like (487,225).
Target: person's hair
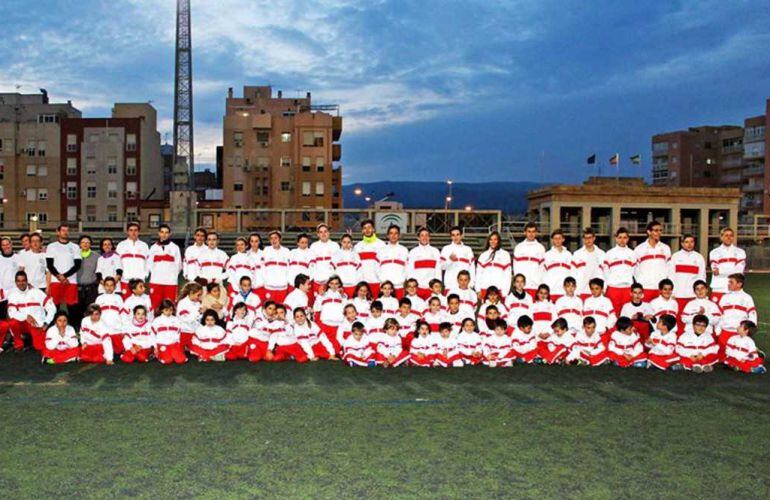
(501,323)
(241,239)
(109,278)
(321,225)
(464,272)
(423,229)
(434,299)
(519,275)
(589,320)
(668,321)
(411,281)
(524,321)
(390,323)
(530,225)
(334,277)
(189,289)
(62,226)
(724,230)
(652,224)
(346,236)
(382,285)
(624,323)
(201,230)
(105,240)
(621,230)
(300,280)
(560,324)
(211,286)
(665,282)
(132,224)
(452,296)
(569,280)
(359,286)
(275,232)
(475,329)
(133,283)
(357,326)
(92,308)
(405,301)
(750,327)
(24,235)
(367,221)
(557,231)
(85,237)
(739,277)
(59,314)
(687,235)
(269,303)
(637,286)
(259,238)
(244,278)
(19,274)
(280,307)
(698,283)
(455,228)
(36,235)
(164,226)
(166,304)
(348,307)
(138,308)
(394,226)
(303,236)
(589,231)
(419,324)
(597,282)
(375,306)
(242,305)
(435,281)
(444,325)
(545,287)
(493,289)
(209,313)
(700,319)
(491,307)
(488,245)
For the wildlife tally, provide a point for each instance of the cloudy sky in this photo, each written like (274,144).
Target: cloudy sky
(474,90)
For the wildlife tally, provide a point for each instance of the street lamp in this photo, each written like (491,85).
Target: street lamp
(448,202)
(468,208)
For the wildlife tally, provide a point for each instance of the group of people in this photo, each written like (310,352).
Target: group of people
(377,303)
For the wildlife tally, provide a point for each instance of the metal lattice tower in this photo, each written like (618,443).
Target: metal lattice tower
(184,159)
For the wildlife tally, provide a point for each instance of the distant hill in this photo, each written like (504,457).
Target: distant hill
(510,197)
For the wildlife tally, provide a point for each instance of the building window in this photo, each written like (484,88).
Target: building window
(313,138)
(42,217)
(91,190)
(319,188)
(2,169)
(42,171)
(286,137)
(320,163)
(72,213)
(93,137)
(47,119)
(285,186)
(112,190)
(72,191)
(112,213)
(263,138)
(130,166)
(31,148)
(238,139)
(285,161)
(237,186)
(131,190)
(305,188)
(263,163)
(31,170)
(31,194)
(41,148)
(42,194)
(306,164)
(72,166)
(72,143)
(130,142)
(132,215)
(90,213)
(112,165)
(90,168)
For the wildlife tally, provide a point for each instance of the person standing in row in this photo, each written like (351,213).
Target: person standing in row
(275,269)
(587,261)
(134,254)
(63,261)
(725,260)
(367,250)
(165,263)
(32,262)
(190,267)
(88,283)
(9,265)
(618,266)
(323,250)
(392,259)
(686,268)
(652,261)
(424,264)
(493,267)
(457,257)
(528,256)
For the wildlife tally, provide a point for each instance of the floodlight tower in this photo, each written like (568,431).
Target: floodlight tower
(183,196)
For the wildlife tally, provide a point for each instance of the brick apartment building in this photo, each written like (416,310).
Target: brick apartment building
(718,156)
(279,152)
(30,159)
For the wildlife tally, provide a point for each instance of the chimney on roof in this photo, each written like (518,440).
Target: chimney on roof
(308,95)
(280,94)
(230,93)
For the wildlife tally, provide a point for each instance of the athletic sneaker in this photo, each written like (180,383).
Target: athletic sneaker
(640,364)
(759,370)
(370,364)
(697,369)
(708,369)
(677,368)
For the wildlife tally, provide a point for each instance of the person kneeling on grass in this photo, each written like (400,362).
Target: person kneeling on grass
(61,342)
(210,340)
(498,349)
(283,344)
(138,341)
(238,330)
(697,349)
(589,348)
(555,350)
(94,339)
(625,347)
(315,344)
(469,343)
(661,344)
(447,352)
(422,351)
(165,327)
(741,351)
(389,350)
(357,349)
(524,341)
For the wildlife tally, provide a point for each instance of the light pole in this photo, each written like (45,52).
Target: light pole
(448,199)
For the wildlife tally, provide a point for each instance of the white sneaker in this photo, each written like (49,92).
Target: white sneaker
(697,369)
(708,369)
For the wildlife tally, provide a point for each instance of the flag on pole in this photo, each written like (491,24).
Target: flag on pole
(591,160)
(636,159)
(615,159)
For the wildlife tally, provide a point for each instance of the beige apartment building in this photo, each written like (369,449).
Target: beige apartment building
(280,152)
(30,159)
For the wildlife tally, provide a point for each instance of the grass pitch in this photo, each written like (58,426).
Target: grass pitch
(324,430)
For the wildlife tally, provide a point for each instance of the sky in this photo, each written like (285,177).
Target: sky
(472,90)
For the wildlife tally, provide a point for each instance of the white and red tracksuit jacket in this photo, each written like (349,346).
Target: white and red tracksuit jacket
(281,334)
(252,301)
(275,268)
(392,261)
(262,330)
(419,306)
(618,267)
(691,344)
(189,314)
(741,348)
(96,334)
(685,268)
(422,344)
(586,346)
(362,306)
(54,341)
(543,314)
(237,330)
(468,301)
(166,330)
(30,302)
(209,337)
(190,267)
(330,306)
(308,334)
(138,300)
(494,268)
(296,299)
(557,265)
(300,262)
(517,306)
(469,343)
(631,310)
(726,260)
(239,265)
(406,324)
(736,307)
(389,306)
(499,346)
(523,343)
(622,344)
(134,257)
(108,267)
(652,264)
(662,344)
(587,266)
(565,340)
(360,349)
(114,313)
(347,266)
(456,320)
(602,310)
(345,329)
(387,345)
(434,320)
(165,263)
(212,265)
(463,261)
(322,259)
(424,264)
(661,307)
(367,255)
(375,326)
(445,346)
(571,309)
(704,306)
(528,259)
(257,281)
(482,315)
(140,335)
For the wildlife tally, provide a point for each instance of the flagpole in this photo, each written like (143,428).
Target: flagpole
(617,169)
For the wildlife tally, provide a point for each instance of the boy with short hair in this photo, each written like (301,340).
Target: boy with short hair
(737,306)
(447,352)
(701,304)
(357,349)
(741,351)
(555,350)
(588,348)
(661,344)
(524,340)
(497,349)
(468,297)
(625,347)
(618,268)
(665,303)
(569,306)
(697,349)
(639,311)
(600,308)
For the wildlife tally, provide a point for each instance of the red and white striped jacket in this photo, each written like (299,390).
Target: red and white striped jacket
(652,264)
(422,344)
(497,346)
(543,314)
(434,320)
(468,343)
(661,306)
(189,314)
(523,343)
(468,301)
(300,262)
(375,325)
(190,268)
(518,306)
(726,260)
(446,346)
(330,307)
(704,306)
(252,301)
(296,299)
(166,330)
(587,266)
(114,314)
(662,344)
(456,320)
(424,264)
(685,269)
(463,261)
(618,267)
(281,334)
(736,307)
(602,310)
(257,280)
(571,309)
(623,343)
(586,346)
(138,334)
(389,306)
(133,259)
(406,324)
(209,337)
(240,264)
(93,333)
(133,301)
(308,335)
(322,259)
(392,261)
(528,259)
(419,306)
(367,255)
(30,302)
(347,266)
(212,265)
(361,348)
(165,263)
(362,307)
(691,344)
(557,265)
(741,348)
(238,329)
(387,345)
(55,341)
(494,268)
(275,268)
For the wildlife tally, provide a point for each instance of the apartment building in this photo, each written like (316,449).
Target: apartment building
(30,180)
(280,152)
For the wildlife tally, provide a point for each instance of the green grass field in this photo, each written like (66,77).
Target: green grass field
(323,430)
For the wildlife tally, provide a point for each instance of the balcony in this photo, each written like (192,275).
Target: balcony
(732,163)
(749,203)
(754,170)
(752,188)
(336,152)
(336,128)
(734,148)
(754,153)
(754,137)
(731,178)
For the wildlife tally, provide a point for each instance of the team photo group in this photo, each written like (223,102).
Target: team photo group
(373,302)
